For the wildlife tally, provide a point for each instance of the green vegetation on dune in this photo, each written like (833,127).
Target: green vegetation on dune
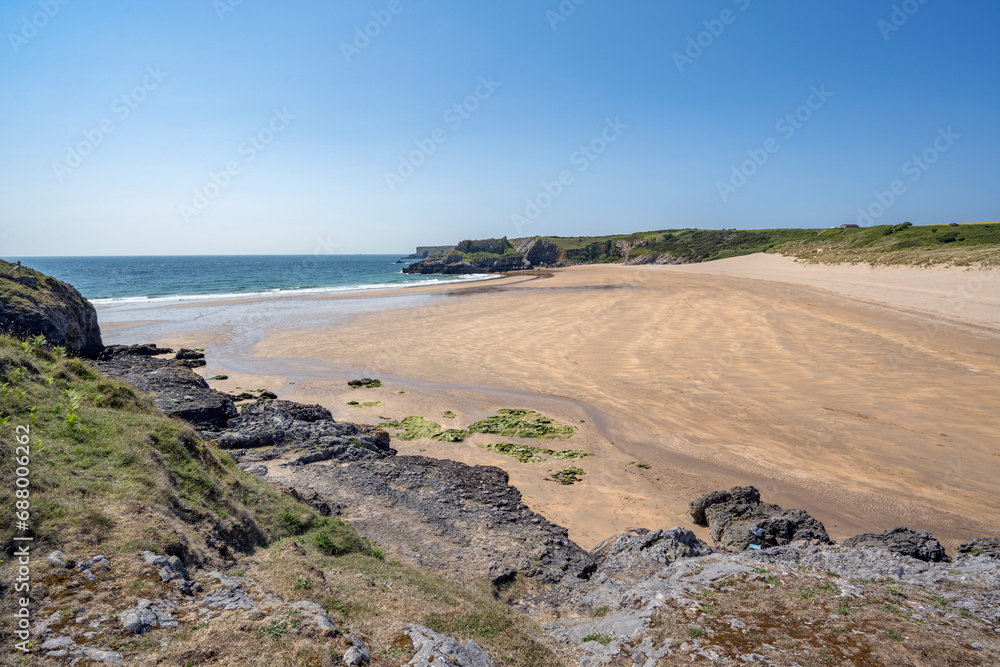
(889,243)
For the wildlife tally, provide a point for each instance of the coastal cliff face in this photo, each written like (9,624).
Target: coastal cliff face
(33,304)
(501,255)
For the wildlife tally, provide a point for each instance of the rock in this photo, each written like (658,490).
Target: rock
(58,558)
(639,549)
(484,256)
(185,353)
(358,653)
(153,559)
(141,350)
(290,424)
(901,540)
(737,518)
(37,304)
(98,655)
(176,389)
(435,649)
(57,643)
(137,621)
(231,596)
(438,506)
(983,546)
(96,564)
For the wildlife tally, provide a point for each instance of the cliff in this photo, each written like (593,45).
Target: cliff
(33,304)
(425,251)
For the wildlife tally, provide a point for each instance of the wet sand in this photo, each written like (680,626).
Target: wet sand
(868,398)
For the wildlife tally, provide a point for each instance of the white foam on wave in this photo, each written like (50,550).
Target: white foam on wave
(476,277)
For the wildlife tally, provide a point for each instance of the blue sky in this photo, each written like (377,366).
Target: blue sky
(253,127)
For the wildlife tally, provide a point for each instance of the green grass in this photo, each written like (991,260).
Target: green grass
(520,423)
(604,640)
(529,454)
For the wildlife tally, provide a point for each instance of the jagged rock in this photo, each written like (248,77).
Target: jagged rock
(36,304)
(983,546)
(641,549)
(901,540)
(147,615)
(141,350)
(285,423)
(176,389)
(98,564)
(502,257)
(185,353)
(737,518)
(358,653)
(462,518)
(230,596)
(432,648)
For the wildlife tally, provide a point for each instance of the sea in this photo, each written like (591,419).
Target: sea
(107,280)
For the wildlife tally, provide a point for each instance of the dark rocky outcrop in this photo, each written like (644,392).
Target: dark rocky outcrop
(309,428)
(903,541)
(423,252)
(449,516)
(983,546)
(479,256)
(33,304)
(176,389)
(737,518)
(141,350)
(185,353)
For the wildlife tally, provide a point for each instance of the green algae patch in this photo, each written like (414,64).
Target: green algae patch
(449,415)
(413,428)
(364,383)
(364,404)
(519,423)
(452,435)
(568,476)
(529,454)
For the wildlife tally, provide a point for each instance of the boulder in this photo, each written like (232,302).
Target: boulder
(36,304)
(738,518)
(903,541)
(185,353)
(434,649)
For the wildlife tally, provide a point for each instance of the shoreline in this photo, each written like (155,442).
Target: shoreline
(591,342)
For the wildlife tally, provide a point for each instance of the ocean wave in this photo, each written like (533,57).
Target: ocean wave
(476,277)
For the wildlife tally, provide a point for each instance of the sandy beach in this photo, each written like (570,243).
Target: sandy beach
(869,397)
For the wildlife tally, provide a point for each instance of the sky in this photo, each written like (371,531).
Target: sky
(254,127)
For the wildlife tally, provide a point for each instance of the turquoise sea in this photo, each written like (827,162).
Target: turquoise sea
(110,279)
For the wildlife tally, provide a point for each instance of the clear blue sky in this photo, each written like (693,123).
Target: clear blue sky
(183,85)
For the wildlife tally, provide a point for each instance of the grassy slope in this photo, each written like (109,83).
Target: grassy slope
(117,478)
(883,244)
